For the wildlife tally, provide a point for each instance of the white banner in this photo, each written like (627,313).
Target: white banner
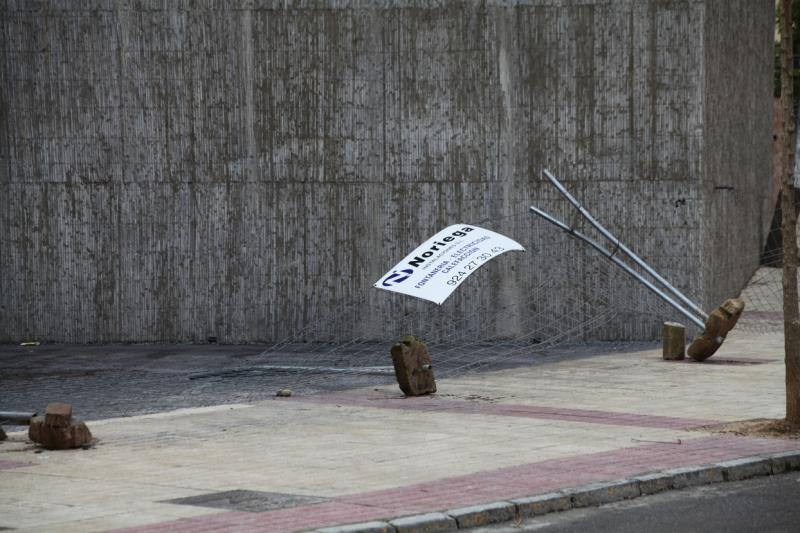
(437,267)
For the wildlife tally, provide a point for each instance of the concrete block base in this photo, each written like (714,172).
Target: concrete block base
(413,367)
(58,430)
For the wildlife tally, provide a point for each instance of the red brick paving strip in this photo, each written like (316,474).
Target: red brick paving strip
(279,521)
(7,465)
(504,483)
(430,404)
(545,476)
(762,315)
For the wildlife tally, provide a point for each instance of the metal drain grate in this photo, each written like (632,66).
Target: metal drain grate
(247,500)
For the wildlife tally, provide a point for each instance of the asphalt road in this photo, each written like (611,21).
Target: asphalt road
(764,504)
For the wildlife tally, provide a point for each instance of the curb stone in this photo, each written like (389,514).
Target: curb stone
(604,492)
(424,523)
(691,476)
(551,502)
(653,483)
(784,462)
(748,467)
(480,515)
(582,496)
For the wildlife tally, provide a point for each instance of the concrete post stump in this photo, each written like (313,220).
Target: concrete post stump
(673,341)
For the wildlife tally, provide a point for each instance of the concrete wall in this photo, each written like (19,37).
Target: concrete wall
(174,170)
(737,187)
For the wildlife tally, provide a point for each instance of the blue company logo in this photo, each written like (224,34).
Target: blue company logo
(396,277)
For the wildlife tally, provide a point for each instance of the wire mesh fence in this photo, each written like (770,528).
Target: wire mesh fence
(516,332)
(469,334)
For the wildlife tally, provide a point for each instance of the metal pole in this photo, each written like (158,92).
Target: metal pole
(616,260)
(15,417)
(636,259)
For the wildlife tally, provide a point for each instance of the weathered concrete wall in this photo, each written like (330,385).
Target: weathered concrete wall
(174,170)
(737,186)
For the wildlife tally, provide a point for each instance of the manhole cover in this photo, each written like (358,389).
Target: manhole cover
(247,500)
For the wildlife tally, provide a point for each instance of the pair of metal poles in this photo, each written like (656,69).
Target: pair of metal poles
(15,418)
(686,306)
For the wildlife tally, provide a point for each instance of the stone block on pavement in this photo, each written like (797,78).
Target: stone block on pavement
(57,436)
(704,347)
(673,341)
(733,309)
(58,415)
(412,367)
(719,323)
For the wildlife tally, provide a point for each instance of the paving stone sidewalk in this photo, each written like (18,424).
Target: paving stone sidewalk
(489,446)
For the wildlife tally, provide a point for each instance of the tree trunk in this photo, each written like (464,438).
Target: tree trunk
(791,312)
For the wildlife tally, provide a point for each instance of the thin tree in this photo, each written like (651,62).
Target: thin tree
(791,311)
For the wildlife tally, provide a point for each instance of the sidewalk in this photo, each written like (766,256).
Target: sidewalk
(368,454)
